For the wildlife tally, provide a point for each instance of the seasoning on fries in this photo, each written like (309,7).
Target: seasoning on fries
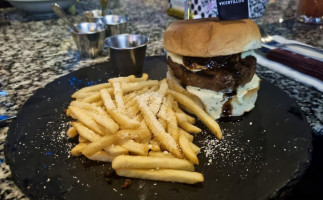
(139,125)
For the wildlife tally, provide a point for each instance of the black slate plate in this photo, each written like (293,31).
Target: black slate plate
(260,156)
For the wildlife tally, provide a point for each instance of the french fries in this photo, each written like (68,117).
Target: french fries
(94,88)
(128,87)
(159,132)
(160,154)
(118,95)
(98,145)
(86,133)
(120,118)
(186,134)
(72,132)
(187,149)
(145,162)
(199,112)
(101,156)
(116,150)
(189,127)
(135,147)
(138,126)
(85,119)
(77,150)
(169,175)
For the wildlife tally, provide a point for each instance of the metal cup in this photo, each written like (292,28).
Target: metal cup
(89,39)
(91,14)
(116,24)
(127,52)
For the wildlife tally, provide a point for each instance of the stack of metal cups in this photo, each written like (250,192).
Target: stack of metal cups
(126,51)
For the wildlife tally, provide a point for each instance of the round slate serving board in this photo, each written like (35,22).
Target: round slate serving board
(262,154)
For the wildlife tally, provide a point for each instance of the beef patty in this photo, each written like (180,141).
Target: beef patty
(223,73)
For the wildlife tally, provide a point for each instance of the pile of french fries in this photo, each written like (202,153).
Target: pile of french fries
(139,125)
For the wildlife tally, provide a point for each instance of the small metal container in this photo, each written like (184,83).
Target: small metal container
(116,24)
(89,40)
(127,52)
(96,13)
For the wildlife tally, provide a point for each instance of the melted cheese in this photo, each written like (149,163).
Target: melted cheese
(179,59)
(213,101)
(176,58)
(248,53)
(243,90)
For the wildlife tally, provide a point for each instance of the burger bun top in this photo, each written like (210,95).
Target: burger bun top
(210,37)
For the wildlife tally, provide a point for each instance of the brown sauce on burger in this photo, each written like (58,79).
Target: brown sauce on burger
(227,107)
(212,63)
(221,74)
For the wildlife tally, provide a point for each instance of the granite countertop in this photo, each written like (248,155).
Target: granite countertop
(35,52)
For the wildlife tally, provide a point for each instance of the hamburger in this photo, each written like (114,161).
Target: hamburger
(214,63)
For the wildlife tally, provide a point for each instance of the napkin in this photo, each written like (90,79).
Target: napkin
(288,71)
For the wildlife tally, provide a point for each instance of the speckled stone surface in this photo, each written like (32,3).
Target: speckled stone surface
(35,52)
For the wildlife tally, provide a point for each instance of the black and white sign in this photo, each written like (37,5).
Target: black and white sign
(233,9)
